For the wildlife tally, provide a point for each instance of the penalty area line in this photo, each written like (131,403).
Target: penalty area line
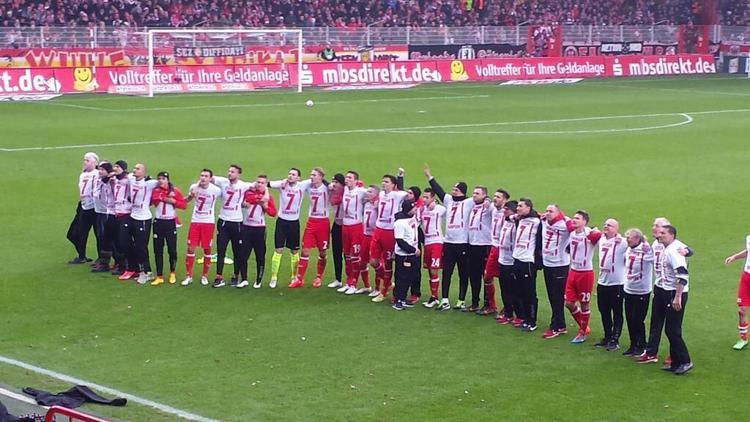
(687,120)
(135,399)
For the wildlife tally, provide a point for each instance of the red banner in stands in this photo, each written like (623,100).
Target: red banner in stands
(170,78)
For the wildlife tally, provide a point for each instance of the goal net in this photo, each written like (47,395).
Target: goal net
(219,60)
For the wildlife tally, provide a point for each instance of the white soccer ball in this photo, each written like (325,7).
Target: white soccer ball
(309,103)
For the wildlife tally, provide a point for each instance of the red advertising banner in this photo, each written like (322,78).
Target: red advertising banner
(127,56)
(212,78)
(682,64)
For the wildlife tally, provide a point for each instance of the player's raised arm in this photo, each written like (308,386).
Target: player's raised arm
(439,191)
(739,255)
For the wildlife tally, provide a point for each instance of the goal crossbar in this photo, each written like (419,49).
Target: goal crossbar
(150,44)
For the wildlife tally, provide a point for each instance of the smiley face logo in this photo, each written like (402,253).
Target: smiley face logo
(458,73)
(84,80)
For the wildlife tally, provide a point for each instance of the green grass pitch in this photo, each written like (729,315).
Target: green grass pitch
(629,149)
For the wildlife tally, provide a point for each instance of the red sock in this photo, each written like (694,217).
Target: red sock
(355,269)
(364,272)
(386,282)
(379,275)
(576,312)
(206,261)
(585,315)
(434,285)
(348,269)
(302,266)
(189,262)
(743,330)
(489,294)
(321,266)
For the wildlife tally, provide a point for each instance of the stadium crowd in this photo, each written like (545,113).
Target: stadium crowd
(355,13)
(396,231)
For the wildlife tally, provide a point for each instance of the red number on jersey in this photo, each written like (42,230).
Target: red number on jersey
(229,200)
(291,196)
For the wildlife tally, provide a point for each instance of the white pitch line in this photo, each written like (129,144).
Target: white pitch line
(224,106)
(135,399)
(20,397)
(352,131)
(686,121)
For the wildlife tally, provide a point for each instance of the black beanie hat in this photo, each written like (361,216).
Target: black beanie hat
(106,166)
(339,178)
(462,187)
(123,164)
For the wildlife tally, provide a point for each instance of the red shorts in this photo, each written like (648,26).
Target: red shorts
(578,286)
(317,233)
(492,268)
(351,239)
(743,293)
(201,234)
(433,256)
(364,254)
(383,244)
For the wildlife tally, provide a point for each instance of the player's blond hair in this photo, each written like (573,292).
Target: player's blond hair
(320,170)
(637,233)
(661,221)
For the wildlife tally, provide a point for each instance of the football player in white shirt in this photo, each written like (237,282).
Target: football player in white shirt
(527,251)
(670,298)
(259,204)
(383,242)
(509,289)
(85,218)
(609,288)
(106,225)
(167,199)
(433,219)
(580,282)
(369,216)
(352,230)
(480,242)
(639,260)
(287,223)
(120,183)
(141,189)
(337,249)
(657,320)
(492,267)
(458,208)
(556,260)
(318,227)
(202,224)
(407,254)
(743,293)
(229,224)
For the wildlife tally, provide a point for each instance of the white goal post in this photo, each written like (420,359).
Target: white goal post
(259,34)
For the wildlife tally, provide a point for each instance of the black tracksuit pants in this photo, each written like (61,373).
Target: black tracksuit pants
(165,233)
(526,279)
(555,279)
(227,231)
(454,254)
(636,309)
(476,258)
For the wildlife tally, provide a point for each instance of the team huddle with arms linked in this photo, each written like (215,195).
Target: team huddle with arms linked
(395,233)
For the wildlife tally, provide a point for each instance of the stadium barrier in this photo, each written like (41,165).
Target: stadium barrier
(56,414)
(213,78)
